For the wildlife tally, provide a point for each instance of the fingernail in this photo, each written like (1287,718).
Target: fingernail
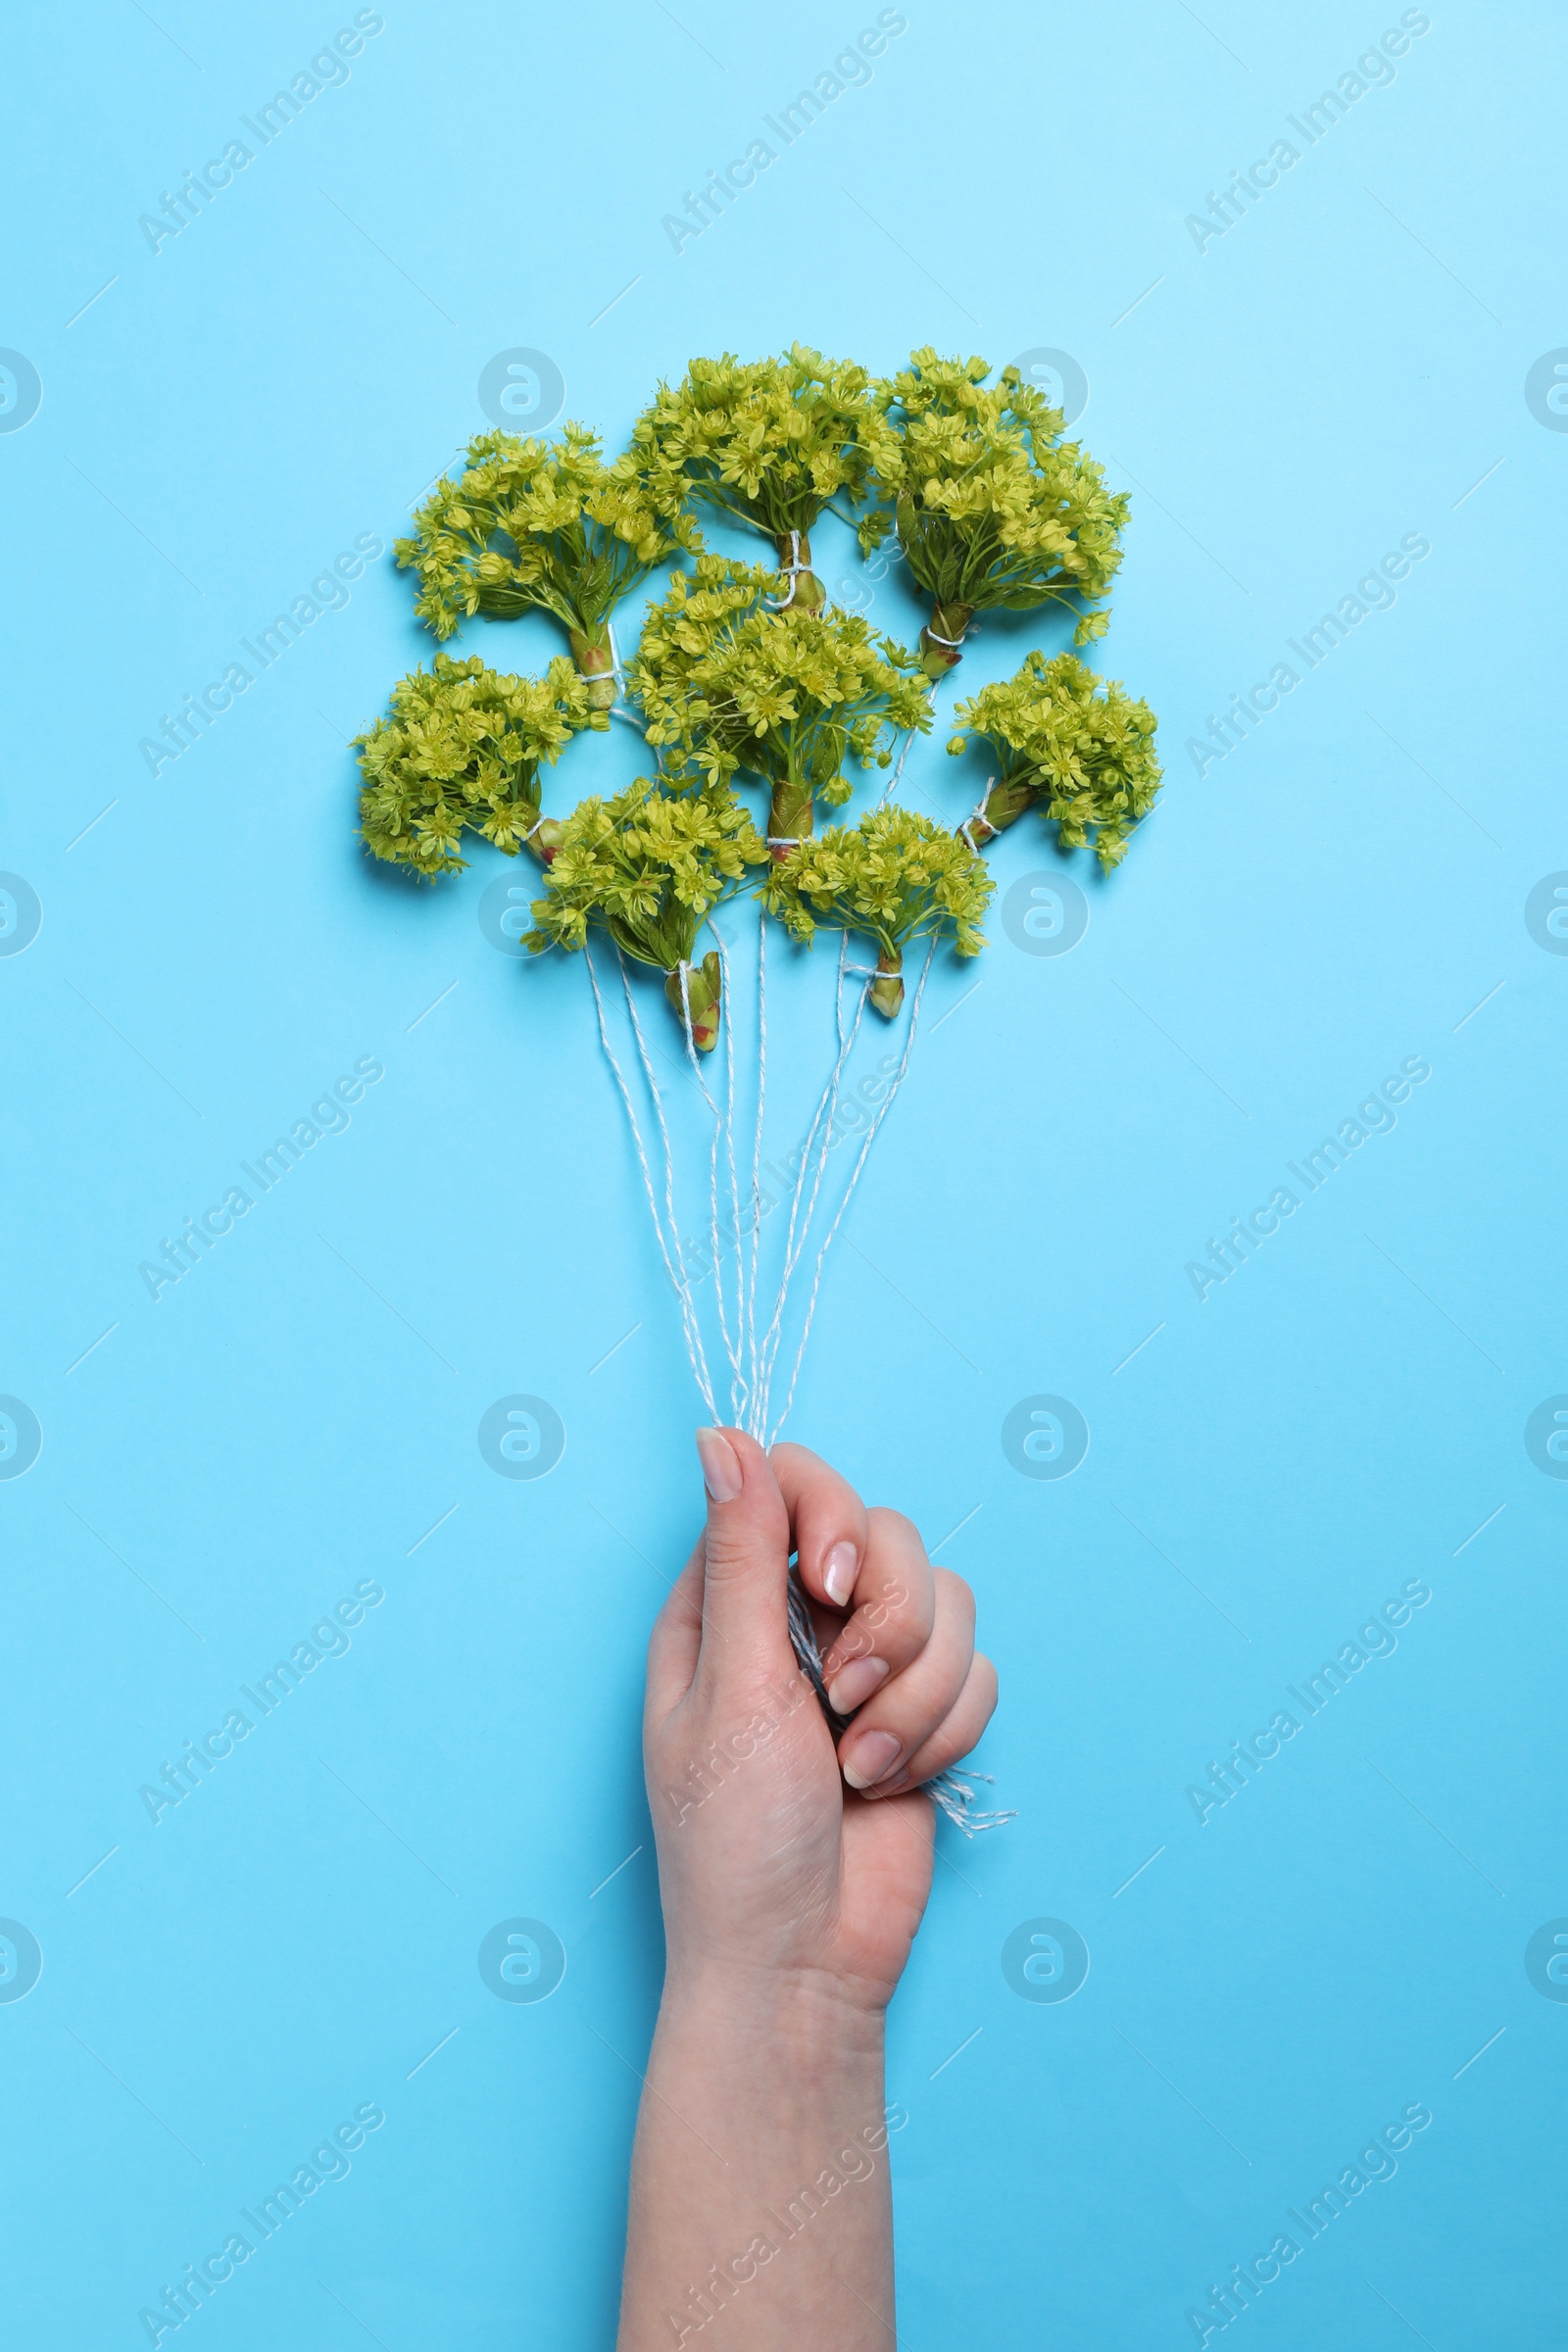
(721,1472)
(854,1684)
(838,1573)
(874,1753)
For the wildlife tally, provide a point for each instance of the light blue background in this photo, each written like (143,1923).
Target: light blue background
(1344,366)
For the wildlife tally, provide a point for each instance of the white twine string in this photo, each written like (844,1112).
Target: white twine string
(794,567)
(739,1394)
(677,1283)
(827,1112)
(691,1321)
(838,992)
(731,1349)
(596,677)
(892,785)
(977,816)
(828,1106)
(823,1100)
(723,1130)
(821,1121)
(953,1792)
(618,708)
(756,1148)
(883,1107)
(690,1317)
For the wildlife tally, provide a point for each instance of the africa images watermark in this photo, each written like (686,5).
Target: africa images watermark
(328,1116)
(327,70)
(722,2281)
(1373,593)
(849,69)
(855,1108)
(1377,2161)
(708,1774)
(1374,1116)
(201,2280)
(1376,1639)
(328,1639)
(1373,69)
(328,593)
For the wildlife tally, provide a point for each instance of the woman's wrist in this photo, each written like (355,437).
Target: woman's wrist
(760,2186)
(770,2063)
(807,2011)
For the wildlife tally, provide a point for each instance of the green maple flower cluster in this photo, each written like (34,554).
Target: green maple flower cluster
(728,687)
(1078,746)
(463,748)
(894,877)
(649,866)
(547,526)
(748,675)
(767,443)
(991,506)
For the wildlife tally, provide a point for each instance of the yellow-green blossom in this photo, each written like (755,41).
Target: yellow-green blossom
(1078,746)
(767,443)
(648,867)
(462,747)
(727,688)
(546,526)
(894,877)
(991,506)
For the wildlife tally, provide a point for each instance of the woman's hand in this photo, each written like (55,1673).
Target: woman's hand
(776,1854)
(793,1877)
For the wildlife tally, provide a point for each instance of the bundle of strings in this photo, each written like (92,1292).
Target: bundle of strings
(749,1348)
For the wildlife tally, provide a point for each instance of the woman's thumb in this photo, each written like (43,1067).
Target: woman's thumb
(746,1556)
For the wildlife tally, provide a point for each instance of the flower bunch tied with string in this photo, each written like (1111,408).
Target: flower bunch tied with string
(993,509)
(460,751)
(649,867)
(1077,747)
(544,526)
(728,688)
(893,878)
(766,444)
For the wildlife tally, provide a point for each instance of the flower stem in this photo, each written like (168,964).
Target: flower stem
(545,839)
(703,985)
(789,816)
(809,594)
(947,622)
(887,993)
(590,650)
(1005,805)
